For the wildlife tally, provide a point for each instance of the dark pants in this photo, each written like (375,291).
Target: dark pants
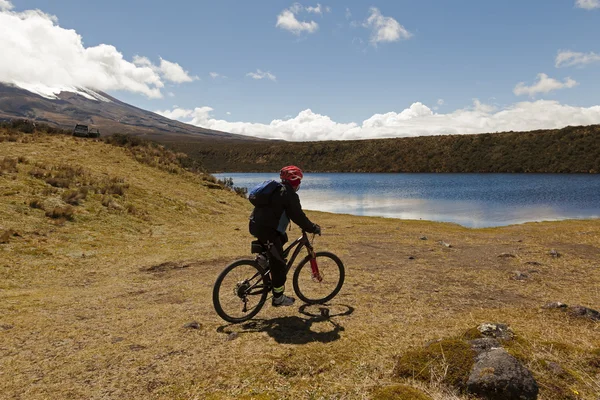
(273,241)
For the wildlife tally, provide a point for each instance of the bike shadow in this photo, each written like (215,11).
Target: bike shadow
(295,329)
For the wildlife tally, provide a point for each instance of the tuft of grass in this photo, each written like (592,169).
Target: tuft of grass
(399,392)
(6,235)
(61,213)
(36,203)
(8,165)
(449,361)
(74,197)
(113,186)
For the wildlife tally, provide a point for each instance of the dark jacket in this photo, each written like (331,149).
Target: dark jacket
(284,206)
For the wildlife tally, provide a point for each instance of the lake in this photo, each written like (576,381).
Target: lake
(472,200)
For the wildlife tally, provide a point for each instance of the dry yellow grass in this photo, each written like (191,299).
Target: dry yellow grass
(89,310)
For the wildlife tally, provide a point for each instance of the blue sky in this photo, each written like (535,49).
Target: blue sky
(333,70)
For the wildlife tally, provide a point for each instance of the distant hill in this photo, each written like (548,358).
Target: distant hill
(567,150)
(109,115)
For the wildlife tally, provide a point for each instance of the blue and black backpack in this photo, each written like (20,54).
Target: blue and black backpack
(260,195)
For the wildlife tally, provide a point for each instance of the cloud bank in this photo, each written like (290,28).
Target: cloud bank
(47,59)
(416,120)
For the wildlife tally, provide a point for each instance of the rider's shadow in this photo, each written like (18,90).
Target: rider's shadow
(295,329)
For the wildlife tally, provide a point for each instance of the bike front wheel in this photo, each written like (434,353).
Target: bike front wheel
(312,290)
(240,291)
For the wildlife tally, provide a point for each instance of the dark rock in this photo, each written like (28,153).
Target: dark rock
(554,253)
(423,238)
(136,347)
(5,327)
(484,344)
(535,263)
(520,276)
(498,331)
(581,311)
(193,325)
(506,255)
(411,257)
(555,304)
(497,375)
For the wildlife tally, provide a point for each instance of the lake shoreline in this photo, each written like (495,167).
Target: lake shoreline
(472,200)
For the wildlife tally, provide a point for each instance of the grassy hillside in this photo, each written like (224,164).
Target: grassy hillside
(105,256)
(568,150)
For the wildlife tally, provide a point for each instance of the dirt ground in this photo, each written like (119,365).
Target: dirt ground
(89,309)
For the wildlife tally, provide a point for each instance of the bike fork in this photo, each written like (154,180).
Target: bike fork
(316,275)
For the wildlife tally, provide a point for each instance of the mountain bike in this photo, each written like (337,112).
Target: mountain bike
(241,290)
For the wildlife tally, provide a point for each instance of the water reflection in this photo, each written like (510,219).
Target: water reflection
(473,200)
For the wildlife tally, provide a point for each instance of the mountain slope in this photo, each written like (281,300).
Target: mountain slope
(109,115)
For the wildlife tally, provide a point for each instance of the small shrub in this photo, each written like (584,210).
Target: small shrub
(6,235)
(38,173)
(61,213)
(48,190)
(227,182)
(58,182)
(114,186)
(74,197)
(241,191)
(23,125)
(36,203)
(8,165)
(131,209)
(106,200)
(64,176)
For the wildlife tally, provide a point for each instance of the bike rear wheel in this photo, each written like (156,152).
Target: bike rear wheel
(240,291)
(312,291)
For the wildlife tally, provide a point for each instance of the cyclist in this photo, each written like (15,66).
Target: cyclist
(269,223)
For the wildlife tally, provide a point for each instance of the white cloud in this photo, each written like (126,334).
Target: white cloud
(318,9)
(417,120)
(587,4)
(174,72)
(287,20)
(216,75)
(168,70)
(47,59)
(543,85)
(259,74)
(568,58)
(385,29)
(348,13)
(6,5)
(440,102)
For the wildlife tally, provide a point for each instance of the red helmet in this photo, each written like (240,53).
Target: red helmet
(292,174)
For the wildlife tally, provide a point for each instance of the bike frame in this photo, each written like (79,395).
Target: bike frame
(296,246)
(299,243)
